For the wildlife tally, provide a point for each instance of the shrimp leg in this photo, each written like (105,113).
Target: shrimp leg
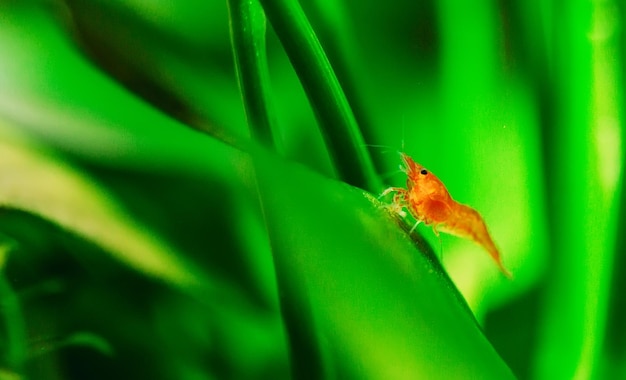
(399,200)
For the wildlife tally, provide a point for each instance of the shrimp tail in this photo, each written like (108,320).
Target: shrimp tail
(467,223)
(495,255)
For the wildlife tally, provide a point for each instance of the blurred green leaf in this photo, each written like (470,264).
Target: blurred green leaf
(587,167)
(74,203)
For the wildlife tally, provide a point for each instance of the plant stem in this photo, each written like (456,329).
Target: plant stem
(247,31)
(334,115)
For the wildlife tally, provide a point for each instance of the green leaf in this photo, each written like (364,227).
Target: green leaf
(360,300)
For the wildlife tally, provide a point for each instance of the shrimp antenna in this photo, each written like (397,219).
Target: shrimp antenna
(387,149)
(403,130)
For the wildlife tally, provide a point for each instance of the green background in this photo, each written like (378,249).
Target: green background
(189,190)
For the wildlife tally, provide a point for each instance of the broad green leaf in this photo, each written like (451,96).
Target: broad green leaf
(369,304)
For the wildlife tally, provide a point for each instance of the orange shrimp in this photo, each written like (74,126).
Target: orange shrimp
(428,201)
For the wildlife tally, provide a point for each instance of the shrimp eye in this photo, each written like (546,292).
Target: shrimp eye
(424,171)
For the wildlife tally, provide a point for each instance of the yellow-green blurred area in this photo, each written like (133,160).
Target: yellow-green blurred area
(147,233)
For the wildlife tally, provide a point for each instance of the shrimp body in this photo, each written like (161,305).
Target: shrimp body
(428,201)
